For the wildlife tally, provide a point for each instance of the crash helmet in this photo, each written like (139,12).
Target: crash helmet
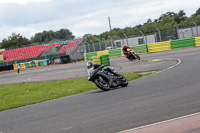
(89,64)
(124,46)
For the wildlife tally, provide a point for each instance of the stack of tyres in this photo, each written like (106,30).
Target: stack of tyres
(41,62)
(96,59)
(105,60)
(122,53)
(15,66)
(33,63)
(183,43)
(90,58)
(85,57)
(46,62)
(18,66)
(105,52)
(26,64)
(23,66)
(30,64)
(115,53)
(141,49)
(88,55)
(37,63)
(197,41)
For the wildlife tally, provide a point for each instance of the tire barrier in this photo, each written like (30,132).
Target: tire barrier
(141,49)
(30,64)
(34,63)
(197,41)
(37,63)
(183,43)
(15,66)
(115,53)
(96,59)
(88,55)
(1,58)
(149,48)
(27,64)
(23,66)
(157,47)
(46,62)
(105,60)
(122,54)
(105,52)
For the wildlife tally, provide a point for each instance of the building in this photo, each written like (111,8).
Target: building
(136,40)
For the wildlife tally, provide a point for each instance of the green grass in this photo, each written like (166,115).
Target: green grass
(16,95)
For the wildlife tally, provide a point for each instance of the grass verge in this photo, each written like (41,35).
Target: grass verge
(16,95)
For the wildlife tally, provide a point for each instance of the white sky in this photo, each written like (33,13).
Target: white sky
(81,17)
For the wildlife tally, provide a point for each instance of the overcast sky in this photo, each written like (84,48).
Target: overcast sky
(28,17)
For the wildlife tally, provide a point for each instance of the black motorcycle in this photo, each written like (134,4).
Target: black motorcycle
(106,78)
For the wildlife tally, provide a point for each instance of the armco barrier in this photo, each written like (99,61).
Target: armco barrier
(197,41)
(160,46)
(183,43)
(141,49)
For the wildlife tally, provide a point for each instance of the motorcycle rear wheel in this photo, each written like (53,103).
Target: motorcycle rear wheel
(103,85)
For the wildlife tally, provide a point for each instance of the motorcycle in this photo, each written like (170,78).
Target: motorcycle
(106,78)
(133,55)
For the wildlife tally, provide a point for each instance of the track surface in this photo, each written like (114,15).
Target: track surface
(169,94)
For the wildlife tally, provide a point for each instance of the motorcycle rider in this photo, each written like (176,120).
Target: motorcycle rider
(91,67)
(125,51)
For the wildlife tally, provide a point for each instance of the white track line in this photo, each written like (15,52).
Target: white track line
(178,118)
(179,61)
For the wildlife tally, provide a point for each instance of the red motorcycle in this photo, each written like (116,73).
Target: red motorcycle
(133,55)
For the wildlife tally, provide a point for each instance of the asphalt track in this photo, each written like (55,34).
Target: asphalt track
(166,95)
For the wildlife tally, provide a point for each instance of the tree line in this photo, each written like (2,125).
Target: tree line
(17,40)
(166,21)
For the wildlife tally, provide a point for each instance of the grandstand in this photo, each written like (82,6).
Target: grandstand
(38,52)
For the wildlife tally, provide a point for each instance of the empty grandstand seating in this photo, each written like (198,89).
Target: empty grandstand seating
(37,50)
(70,46)
(26,52)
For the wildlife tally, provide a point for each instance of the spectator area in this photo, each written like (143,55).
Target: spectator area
(37,50)
(70,46)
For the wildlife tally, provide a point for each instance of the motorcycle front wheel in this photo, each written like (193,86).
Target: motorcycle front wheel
(137,56)
(124,81)
(102,84)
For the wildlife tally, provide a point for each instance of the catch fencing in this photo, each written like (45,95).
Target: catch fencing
(150,48)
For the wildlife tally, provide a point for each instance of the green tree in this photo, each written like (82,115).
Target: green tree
(48,36)
(15,40)
(197,12)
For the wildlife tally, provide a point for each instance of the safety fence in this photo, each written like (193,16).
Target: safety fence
(149,48)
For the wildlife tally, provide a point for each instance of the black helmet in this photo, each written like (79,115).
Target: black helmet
(89,64)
